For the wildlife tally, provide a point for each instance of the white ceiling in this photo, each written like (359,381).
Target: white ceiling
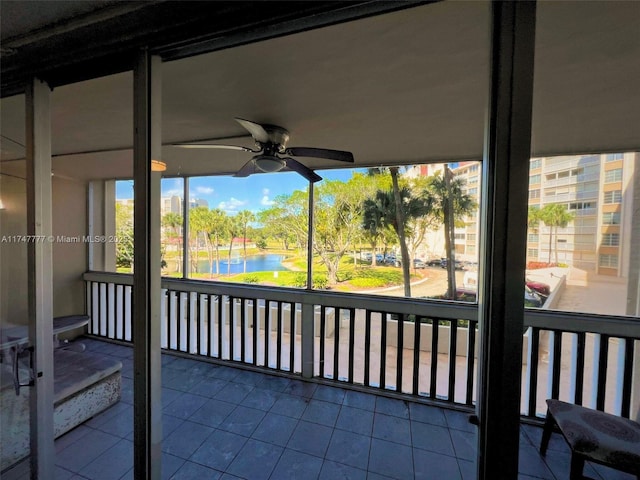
(405,87)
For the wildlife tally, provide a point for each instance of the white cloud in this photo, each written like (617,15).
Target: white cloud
(173,191)
(232,205)
(204,190)
(266,201)
(265,191)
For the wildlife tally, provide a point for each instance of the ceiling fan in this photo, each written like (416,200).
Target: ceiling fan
(273,155)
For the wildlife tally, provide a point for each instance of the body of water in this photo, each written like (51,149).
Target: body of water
(255,263)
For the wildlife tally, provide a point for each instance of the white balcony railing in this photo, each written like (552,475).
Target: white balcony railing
(359,340)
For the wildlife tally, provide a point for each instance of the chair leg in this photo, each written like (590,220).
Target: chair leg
(546,433)
(577,467)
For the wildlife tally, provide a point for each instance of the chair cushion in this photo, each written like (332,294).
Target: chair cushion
(597,435)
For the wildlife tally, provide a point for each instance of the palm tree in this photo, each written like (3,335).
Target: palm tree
(244,218)
(173,221)
(555,215)
(234,229)
(216,227)
(450,204)
(381,212)
(197,225)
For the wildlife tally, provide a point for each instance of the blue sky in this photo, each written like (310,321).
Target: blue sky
(232,194)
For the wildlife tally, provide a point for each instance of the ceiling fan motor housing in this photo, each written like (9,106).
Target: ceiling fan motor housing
(278,136)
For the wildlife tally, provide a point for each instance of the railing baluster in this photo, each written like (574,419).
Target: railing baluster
(101,328)
(352,341)
(336,343)
(580,368)
(189,320)
(417,330)
(243,329)
(603,360)
(367,346)
(267,331)
(202,316)
(383,350)
(107,301)
(279,337)
(400,352)
(323,334)
(122,311)
(220,324)
(232,327)
(453,350)
(433,378)
(179,316)
(128,329)
(627,377)
(255,320)
(292,337)
(533,371)
(211,328)
(557,363)
(471,355)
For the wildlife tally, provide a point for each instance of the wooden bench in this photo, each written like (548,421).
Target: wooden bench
(595,436)
(84,385)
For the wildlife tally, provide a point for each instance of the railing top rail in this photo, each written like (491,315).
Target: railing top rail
(615,326)
(416,306)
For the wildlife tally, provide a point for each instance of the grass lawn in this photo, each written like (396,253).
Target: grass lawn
(358,276)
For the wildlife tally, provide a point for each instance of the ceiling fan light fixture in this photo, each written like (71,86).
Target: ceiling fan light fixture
(269,163)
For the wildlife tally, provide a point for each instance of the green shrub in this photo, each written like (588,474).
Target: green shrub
(320,281)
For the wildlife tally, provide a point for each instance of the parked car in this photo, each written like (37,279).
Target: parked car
(532,299)
(539,287)
(434,262)
(417,263)
(459,265)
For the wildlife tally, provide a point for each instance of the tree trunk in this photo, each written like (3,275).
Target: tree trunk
(449,241)
(550,242)
(400,222)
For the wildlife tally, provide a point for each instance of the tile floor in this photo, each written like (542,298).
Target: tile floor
(225,423)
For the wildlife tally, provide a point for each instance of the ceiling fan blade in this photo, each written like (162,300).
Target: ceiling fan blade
(247,169)
(320,153)
(256,130)
(222,147)
(306,172)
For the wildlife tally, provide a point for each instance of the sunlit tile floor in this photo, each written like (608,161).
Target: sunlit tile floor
(226,423)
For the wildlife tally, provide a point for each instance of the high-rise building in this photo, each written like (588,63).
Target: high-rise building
(596,190)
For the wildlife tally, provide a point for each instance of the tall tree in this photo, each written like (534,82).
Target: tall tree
(338,218)
(234,229)
(450,205)
(383,208)
(124,233)
(173,221)
(198,221)
(244,218)
(216,229)
(554,216)
(400,220)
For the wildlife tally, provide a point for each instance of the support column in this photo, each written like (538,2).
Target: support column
(109,222)
(185,230)
(503,243)
(146,273)
(40,265)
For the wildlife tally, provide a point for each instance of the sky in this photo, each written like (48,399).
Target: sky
(254,193)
